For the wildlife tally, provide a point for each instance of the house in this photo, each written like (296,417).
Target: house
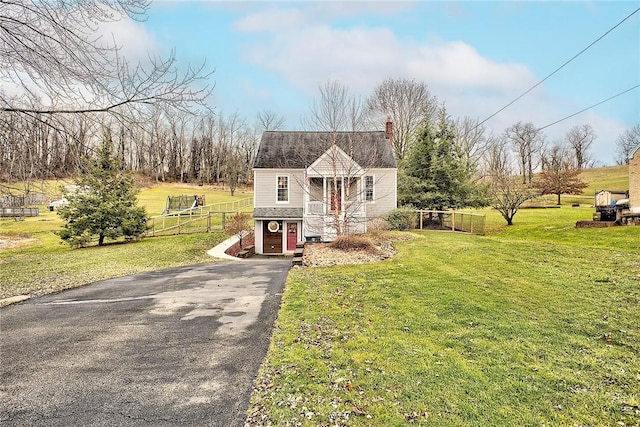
(312,186)
(634,180)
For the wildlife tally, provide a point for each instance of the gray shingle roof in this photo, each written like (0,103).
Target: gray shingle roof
(298,150)
(271,213)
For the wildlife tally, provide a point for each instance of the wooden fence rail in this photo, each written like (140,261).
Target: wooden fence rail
(182,224)
(201,219)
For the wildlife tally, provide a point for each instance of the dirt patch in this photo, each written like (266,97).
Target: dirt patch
(322,255)
(10,242)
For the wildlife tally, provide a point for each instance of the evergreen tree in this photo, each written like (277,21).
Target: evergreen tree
(436,174)
(105,203)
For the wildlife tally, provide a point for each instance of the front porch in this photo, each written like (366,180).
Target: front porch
(333,204)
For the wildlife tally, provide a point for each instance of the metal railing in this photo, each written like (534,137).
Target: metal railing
(464,222)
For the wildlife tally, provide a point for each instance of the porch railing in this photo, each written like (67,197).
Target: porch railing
(318,208)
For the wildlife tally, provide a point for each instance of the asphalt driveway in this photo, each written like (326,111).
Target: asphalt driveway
(174,347)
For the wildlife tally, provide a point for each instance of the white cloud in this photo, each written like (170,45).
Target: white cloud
(362,57)
(272,20)
(306,51)
(135,43)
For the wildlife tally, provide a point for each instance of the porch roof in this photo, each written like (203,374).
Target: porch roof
(277,213)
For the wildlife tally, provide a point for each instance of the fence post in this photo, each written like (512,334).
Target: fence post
(453,221)
(484,223)
(209,223)
(421,213)
(471,224)
(224,220)
(179,223)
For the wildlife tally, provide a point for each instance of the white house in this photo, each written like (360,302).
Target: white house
(313,185)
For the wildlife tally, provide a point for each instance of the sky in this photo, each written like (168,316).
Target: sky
(474,56)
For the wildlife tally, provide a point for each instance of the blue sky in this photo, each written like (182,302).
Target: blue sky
(474,56)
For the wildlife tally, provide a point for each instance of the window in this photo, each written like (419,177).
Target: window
(283,189)
(368,188)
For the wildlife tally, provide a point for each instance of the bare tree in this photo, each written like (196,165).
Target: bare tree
(470,138)
(506,191)
(508,194)
(339,117)
(269,120)
(526,141)
(580,138)
(626,142)
(234,169)
(335,110)
(52,55)
(407,103)
(496,158)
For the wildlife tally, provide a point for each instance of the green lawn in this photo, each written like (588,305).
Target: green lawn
(534,324)
(44,263)
(606,178)
(154,198)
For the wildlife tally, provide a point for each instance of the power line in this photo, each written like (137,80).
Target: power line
(559,68)
(588,108)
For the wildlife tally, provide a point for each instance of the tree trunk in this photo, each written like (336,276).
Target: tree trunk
(558,199)
(101,240)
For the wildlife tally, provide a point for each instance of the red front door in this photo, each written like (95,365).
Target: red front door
(292,235)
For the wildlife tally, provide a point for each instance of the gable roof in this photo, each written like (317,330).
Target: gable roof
(633,152)
(298,150)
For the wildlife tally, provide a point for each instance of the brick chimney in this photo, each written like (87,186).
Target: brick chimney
(388,129)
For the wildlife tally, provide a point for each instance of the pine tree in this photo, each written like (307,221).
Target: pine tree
(105,204)
(435,173)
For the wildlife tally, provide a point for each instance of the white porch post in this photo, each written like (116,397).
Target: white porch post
(324,196)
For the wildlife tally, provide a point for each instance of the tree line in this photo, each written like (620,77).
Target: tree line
(65,90)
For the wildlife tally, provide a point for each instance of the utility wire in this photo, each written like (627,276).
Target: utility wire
(559,68)
(588,108)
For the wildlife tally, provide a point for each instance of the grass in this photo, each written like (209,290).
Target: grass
(44,264)
(534,324)
(605,178)
(154,198)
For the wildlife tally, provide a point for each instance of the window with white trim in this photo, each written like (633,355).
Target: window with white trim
(368,188)
(283,189)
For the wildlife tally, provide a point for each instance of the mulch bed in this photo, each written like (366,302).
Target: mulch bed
(247,240)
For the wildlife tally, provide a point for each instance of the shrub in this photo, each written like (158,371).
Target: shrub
(377,229)
(402,218)
(238,223)
(353,243)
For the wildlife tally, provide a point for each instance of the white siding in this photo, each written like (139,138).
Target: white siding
(334,162)
(265,191)
(257,234)
(384,192)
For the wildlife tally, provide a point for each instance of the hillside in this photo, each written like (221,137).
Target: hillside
(605,178)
